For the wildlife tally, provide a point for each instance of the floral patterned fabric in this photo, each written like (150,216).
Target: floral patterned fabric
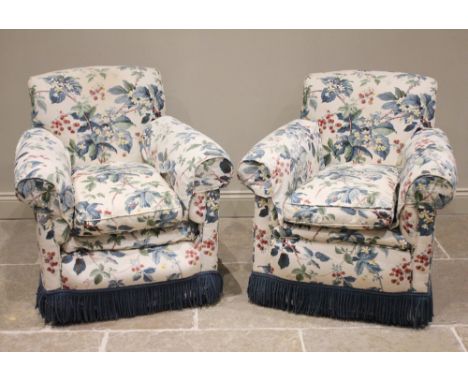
(429,173)
(207,243)
(189,160)
(381,237)
(43,173)
(105,268)
(282,162)
(417,226)
(340,264)
(108,269)
(358,208)
(185,231)
(123,197)
(51,232)
(378,260)
(98,112)
(368,116)
(352,196)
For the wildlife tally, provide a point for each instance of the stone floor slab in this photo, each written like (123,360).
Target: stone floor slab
(178,319)
(235,239)
(450,291)
(212,340)
(451,233)
(380,339)
(18,242)
(18,286)
(462,333)
(45,341)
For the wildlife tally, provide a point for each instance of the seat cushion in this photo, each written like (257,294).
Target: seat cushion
(350,196)
(123,241)
(122,197)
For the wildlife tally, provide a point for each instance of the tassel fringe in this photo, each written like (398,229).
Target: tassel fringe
(61,307)
(402,309)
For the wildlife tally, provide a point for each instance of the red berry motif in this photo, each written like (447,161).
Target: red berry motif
(260,238)
(63,122)
(199,203)
(64,282)
(192,256)
(50,260)
(97,93)
(407,226)
(423,260)
(281,168)
(367,97)
(329,122)
(401,272)
(208,247)
(399,145)
(137,267)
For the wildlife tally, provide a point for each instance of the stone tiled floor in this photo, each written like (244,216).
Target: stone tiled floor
(233,324)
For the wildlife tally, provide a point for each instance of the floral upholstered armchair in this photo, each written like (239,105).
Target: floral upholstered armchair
(125,198)
(346,200)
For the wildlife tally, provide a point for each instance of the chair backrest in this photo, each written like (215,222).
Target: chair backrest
(98,112)
(367,116)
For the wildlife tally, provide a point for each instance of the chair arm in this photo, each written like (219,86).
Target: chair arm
(43,173)
(282,161)
(429,173)
(189,160)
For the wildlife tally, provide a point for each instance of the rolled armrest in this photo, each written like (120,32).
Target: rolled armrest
(43,173)
(189,160)
(429,173)
(282,161)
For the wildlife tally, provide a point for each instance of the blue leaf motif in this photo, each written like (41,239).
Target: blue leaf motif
(79,266)
(142,199)
(321,256)
(88,211)
(117,90)
(62,86)
(328,95)
(57,95)
(283,261)
(387,96)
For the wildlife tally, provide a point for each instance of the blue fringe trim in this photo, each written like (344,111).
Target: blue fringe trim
(61,307)
(402,309)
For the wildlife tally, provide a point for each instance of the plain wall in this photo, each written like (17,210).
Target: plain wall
(235,86)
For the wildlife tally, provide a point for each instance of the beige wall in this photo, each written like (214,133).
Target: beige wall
(236,86)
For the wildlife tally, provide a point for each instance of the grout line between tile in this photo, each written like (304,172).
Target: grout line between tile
(457,336)
(441,247)
(301,339)
(19,264)
(195,319)
(451,259)
(105,339)
(53,330)
(49,329)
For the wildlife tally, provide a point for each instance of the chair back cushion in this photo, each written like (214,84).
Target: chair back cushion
(368,116)
(98,112)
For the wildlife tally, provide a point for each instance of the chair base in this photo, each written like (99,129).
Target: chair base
(402,309)
(61,307)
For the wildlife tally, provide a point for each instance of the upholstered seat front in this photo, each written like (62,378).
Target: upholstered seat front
(123,197)
(350,196)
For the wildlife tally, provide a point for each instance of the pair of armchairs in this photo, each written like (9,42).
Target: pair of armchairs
(126,199)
